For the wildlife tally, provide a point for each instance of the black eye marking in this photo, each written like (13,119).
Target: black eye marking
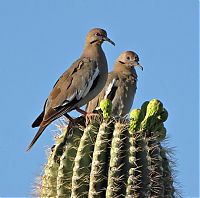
(122,62)
(128,58)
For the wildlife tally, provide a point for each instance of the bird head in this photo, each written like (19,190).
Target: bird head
(97,36)
(130,59)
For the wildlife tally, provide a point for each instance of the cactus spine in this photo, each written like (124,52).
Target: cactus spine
(65,169)
(112,157)
(83,160)
(116,175)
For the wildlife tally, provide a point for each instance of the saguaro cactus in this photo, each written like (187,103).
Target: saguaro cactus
(111,157)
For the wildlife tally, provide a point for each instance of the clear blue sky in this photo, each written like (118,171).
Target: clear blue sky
(40,39)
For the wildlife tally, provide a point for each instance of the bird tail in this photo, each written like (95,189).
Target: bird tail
(38,120)
(41,129)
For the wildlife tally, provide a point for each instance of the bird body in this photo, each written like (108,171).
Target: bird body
(121,85)
(79,84)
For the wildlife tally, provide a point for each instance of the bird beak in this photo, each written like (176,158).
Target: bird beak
(136,64)
(140,66)
(110,41)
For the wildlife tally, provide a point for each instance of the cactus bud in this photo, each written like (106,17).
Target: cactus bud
(106,107)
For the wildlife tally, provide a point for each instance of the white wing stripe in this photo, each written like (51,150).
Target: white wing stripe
(83,92)
(109,88)
(69,99)
(90,82)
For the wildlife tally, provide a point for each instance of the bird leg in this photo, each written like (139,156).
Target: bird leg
(81,111)
(69,117)
(85,113)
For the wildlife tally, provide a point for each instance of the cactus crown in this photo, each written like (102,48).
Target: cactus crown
(111,157)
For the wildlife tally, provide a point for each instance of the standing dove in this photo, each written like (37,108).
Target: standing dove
(82,81)
(121,85)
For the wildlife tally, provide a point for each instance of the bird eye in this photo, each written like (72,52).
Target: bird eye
(97,34)
(128,58)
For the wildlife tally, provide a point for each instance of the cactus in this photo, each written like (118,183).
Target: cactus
(111,157)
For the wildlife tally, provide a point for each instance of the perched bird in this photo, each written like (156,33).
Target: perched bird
(82,81)
(121,85)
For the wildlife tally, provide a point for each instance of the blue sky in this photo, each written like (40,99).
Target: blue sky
(40,39)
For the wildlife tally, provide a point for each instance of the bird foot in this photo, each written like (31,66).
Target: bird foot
(88,116)
(85,113)
(91,116)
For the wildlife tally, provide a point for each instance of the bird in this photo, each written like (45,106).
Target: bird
(121,85)
(79,84)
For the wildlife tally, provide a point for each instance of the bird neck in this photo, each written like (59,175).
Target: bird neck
(93,51)
(96,53)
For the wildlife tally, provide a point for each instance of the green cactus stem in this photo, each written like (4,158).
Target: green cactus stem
(65,170)
(134,120)
(132,179)
(169,190)
(156,173)
(99,169)
(83,160)
(49,181)
(111,157)
(116,176)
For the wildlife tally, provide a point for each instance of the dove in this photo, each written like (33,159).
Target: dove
(121,85)
(79,84)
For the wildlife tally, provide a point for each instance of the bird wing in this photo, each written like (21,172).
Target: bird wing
(39,119)
(107,92)
(70,88)
(120,89)
(111,87)
(122,94)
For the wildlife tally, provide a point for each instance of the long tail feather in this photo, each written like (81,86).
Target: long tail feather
(38,120)
(41,129)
